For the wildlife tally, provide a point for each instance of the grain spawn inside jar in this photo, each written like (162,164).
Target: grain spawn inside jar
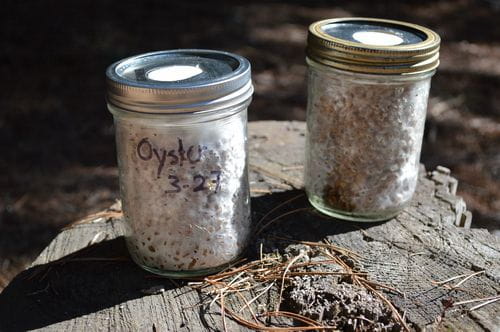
(368,87)
(180,119)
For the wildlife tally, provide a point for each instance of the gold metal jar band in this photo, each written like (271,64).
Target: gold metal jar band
(373,59)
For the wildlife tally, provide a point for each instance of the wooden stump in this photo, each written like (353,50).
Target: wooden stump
(85,280)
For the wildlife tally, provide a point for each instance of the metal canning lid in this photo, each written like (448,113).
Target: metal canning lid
(179,81)
(373,46)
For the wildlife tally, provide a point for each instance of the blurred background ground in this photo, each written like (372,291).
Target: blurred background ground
(57,159)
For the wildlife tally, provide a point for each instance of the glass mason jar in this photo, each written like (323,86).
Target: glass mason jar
(368,86)
(181,130)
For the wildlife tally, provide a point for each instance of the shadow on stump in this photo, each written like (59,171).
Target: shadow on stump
(103,275)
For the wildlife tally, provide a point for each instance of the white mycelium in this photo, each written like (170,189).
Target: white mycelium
(364,140)
(185,192)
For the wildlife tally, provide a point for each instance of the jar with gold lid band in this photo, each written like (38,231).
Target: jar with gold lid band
(368,87)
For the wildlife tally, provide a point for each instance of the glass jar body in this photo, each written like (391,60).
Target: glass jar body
(184,188)
(364,136)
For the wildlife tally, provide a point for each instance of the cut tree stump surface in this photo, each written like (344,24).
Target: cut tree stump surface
(85,281)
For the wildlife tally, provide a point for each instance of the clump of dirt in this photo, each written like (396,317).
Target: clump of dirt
(334,300)
(346,306)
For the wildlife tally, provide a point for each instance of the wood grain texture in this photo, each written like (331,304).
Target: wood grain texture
(84,280)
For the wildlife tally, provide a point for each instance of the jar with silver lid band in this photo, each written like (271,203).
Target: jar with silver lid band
(181,130)
(368,86)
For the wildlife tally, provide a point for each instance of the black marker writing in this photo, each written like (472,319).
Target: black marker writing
(161,160)
(149,149)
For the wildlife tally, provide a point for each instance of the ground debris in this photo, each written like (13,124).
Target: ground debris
(317,284)
(346,306)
